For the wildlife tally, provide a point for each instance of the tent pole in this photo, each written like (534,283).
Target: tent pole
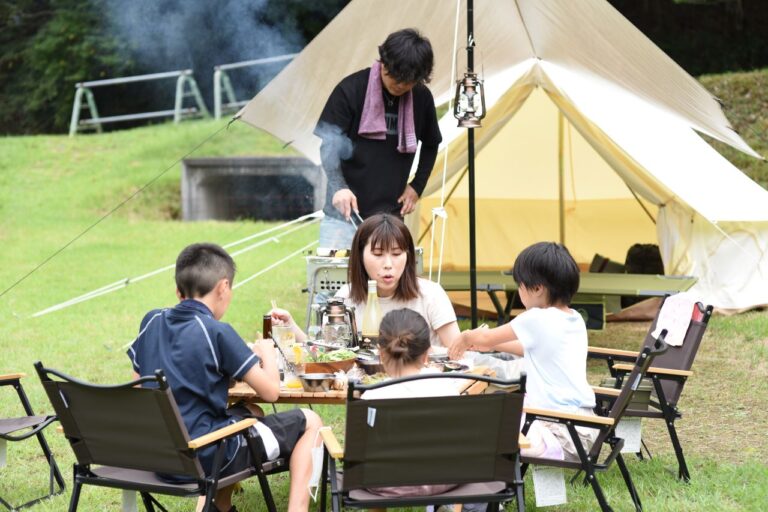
(561,172)
(471,168)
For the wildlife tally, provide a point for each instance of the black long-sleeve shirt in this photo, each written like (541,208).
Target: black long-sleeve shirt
(373,169)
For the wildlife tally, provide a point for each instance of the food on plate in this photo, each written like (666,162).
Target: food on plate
(375,378)
(335,355)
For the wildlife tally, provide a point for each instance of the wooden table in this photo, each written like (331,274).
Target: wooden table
(592,286)
(243,392)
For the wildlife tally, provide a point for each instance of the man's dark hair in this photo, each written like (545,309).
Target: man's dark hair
(408,56)
(200,266)
(549,265)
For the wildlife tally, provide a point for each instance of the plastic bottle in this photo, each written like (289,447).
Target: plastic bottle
(372,315)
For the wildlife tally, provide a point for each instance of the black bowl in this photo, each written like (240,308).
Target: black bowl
(370,366)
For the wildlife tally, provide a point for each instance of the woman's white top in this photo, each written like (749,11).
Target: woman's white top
(432,303)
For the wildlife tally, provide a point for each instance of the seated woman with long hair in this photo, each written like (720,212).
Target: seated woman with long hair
(383,250)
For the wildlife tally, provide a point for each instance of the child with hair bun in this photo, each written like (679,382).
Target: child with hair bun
(404,350)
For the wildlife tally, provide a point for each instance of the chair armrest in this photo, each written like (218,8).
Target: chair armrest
(476,387)
(611,392)
(523,441)
(216,435)
(597,420)
(654,370)
(12,376)
(331,443)
(629,355)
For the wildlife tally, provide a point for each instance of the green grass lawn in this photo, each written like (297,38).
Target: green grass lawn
(54,187)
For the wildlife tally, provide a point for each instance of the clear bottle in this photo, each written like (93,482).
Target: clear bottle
(372,315)
(315,325)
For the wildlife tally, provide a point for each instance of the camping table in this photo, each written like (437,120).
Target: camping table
(243,392)
(591,285)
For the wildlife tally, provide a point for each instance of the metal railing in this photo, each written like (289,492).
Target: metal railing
(95,121)
(223,86)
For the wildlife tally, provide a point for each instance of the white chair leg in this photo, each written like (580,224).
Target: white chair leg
(129,501)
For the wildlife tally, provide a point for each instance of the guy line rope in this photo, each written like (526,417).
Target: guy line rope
(440,211)
(312,218)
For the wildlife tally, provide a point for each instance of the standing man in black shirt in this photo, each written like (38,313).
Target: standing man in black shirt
(369,130)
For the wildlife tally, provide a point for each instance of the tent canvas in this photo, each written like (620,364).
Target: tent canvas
(629,115)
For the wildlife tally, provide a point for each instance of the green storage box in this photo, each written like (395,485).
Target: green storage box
(640,399)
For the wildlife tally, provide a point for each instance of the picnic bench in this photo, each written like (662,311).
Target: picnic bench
(604,289)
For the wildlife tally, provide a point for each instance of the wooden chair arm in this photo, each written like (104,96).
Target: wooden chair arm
(523,441)
(331,443)
(12,376)
(476,388)
(606,391)
(654,370)
(216,435)
(615,352)
(597,420)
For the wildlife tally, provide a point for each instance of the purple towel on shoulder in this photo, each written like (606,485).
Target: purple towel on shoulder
(372,123)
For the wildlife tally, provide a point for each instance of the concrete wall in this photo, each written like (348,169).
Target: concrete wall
(269,188)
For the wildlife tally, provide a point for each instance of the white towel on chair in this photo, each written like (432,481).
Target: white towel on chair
(675,317)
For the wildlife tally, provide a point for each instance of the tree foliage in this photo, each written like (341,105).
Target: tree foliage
(704,36)
(46,46)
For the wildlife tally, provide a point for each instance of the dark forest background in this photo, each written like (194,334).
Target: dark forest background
(46,46)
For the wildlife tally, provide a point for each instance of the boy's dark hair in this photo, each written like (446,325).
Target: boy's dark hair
(403,339)
(200,266)
(385,232)
(550,265)
(408,56)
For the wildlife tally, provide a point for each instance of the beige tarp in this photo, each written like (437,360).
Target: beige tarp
(628,120)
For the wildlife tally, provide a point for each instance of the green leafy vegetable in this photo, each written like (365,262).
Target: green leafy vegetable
(336,355)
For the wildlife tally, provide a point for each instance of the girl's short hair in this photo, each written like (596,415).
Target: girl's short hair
(384,232)
(550,265)
(403,339)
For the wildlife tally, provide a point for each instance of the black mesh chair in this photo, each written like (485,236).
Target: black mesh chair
(470,441)
(124,435)
(606,438)
(25,427)
(669,373)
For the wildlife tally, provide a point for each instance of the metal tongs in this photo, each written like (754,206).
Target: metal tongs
(289,365)
(355,223)
(329,345)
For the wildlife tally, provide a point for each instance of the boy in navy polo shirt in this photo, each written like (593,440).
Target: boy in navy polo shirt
(199,355)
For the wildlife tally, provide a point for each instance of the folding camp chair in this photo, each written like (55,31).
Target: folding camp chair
(24,427)
(669,373)
(588,459)
(124,435)
(462,440)
(602,264)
